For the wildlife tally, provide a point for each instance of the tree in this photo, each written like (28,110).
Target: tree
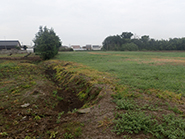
(112,43)
(127,35)
(46,42)
(145,38)
(129,47)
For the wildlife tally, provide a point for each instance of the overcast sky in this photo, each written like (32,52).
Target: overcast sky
(91,21)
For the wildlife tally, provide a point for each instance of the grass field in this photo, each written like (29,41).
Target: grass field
(140,70)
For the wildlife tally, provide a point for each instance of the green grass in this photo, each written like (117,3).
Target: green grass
(136,69)
(171,127)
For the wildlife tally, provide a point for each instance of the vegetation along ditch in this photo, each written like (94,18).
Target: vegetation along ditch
(42,100)
(74,88)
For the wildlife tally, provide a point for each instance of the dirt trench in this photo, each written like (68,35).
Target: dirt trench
(76,93)
(99,121)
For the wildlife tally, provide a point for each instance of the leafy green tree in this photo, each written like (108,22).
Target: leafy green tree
(46,42)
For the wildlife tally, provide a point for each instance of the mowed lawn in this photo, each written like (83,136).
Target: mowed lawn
(138,70)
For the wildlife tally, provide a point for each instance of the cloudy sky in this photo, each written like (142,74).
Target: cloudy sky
(91,21)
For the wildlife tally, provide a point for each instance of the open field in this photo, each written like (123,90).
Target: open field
(125,95)
(140,70)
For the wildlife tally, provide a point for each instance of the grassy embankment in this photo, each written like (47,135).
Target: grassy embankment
(36,98)
(149,92)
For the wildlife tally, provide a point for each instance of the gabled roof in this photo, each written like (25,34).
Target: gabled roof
(10,43)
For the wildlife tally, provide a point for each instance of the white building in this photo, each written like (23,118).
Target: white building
(96,47)
(30,50)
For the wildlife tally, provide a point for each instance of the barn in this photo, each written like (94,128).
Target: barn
(9,44)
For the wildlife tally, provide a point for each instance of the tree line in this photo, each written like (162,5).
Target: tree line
(47,43)
(126,42)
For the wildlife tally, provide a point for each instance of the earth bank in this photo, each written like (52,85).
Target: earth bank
(47,101)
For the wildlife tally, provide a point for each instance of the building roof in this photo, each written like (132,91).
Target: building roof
(10,43)
(76,46)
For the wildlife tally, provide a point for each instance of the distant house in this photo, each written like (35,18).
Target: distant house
(76,47)
(65,47)
(8,45)
(30,49)
(61,48)
(88,47)
(96,47)
(84,48)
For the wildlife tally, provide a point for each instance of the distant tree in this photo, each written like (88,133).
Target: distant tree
(112,43)
(46,42)
(125,42)
(145,38)
(127,35)
(152,44)
(129,47)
